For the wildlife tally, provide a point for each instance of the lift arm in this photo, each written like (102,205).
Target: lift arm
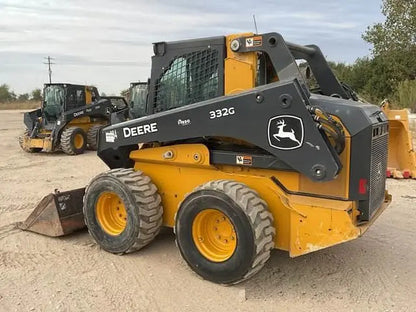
(274,117)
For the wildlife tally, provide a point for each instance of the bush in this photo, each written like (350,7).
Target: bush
(405,96)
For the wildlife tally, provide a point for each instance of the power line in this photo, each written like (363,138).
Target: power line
(49,63)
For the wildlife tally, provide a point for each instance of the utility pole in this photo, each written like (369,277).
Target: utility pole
(49,63)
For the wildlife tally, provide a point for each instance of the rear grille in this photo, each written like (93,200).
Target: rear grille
(378,167)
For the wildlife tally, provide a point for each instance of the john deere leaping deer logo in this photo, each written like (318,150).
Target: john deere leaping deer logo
(285,132)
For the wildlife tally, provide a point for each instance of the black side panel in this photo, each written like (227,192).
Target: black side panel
(360,163)
(368,168)
(273,117)
(355,116)
(368,163)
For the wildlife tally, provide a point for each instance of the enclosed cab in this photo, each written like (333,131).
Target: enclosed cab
(137,99)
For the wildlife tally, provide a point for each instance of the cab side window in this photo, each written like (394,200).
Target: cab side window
(80,97)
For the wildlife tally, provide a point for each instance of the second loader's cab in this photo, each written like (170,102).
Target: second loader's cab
(137,98)
(59,98)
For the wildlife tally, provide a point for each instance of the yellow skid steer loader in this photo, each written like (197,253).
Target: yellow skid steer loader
(237,156)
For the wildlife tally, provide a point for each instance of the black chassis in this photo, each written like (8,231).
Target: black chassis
(254,109)
(102,108)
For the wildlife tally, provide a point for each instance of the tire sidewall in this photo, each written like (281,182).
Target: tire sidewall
(125,240)
(72,141)
(232,269)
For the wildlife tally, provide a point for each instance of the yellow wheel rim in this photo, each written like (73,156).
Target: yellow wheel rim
(111,213)
(214,235)
(78,140)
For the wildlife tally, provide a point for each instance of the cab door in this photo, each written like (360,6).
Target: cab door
(75,97)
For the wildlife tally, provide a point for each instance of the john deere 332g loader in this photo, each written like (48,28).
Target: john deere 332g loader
(238,157)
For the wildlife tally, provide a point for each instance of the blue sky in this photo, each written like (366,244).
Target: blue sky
(108,43)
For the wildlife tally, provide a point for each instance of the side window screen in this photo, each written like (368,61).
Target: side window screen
(138,99)
(80,94)
(191,78)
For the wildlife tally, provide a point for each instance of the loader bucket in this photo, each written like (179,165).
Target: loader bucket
(401,156)
(57,214)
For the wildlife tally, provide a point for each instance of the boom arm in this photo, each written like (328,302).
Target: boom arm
(326,79)
(254,116)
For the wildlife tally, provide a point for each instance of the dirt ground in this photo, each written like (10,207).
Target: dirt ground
(374,273)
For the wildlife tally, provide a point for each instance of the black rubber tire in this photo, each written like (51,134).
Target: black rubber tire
(252,221)
(67,141)
(27,149)
(92,137)
(143,205)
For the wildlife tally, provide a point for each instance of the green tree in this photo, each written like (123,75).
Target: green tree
(342,71)
(405,96)
(394,47)
(5,94)
(125,93)
(397,32)
(23,97)
(37,95)
(358,76)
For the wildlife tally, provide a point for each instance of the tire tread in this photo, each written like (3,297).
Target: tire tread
(92,136)
(66,142)
(257,213)
(150,212)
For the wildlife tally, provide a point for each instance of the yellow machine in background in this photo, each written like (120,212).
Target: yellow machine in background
(69,119)
(401,157)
